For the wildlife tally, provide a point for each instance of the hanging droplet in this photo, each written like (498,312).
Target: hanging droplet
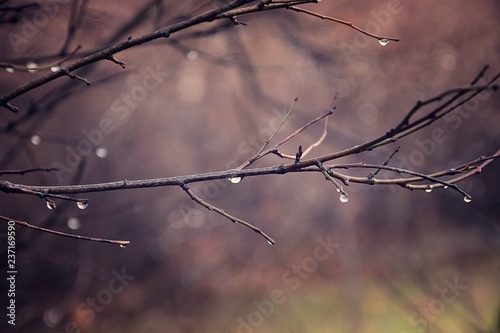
(50,204)
(344,197)
(467,199)
(383,41)
(32,66)
(10,69)
(82,204)
(270,242)
(428,190)
(36,140)
(123,245)
(55,68)
(235,180)
(445,187)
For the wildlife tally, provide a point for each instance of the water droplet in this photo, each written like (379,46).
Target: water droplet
(344,197)
(36,140)
(383,41)
(10,69)
(270,242)
(50,204)
(428,190)
(235,180)
(55,68)
(123,245)
(101,152)
(445,187)
(467,199)
(32,66)
(82,204)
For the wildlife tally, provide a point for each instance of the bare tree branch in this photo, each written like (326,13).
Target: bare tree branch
(121,243)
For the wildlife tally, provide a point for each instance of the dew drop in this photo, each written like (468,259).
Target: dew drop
(51,204)
(55,68)
(270,242)
(467,199)
(36,140)
(9,69)
(445,187)
(82,204)
(428,190)
(235,180)
(123,245)
(32,66)
(383,41)
(344,197)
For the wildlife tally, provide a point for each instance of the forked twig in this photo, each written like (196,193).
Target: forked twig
(232,218)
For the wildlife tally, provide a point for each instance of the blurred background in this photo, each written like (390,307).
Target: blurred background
(206,99)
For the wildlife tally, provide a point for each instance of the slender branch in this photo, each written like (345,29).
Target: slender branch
(381,39)
(32,68)
(259,153)
(122,243)
(343,194)
(222,12)
(373,174)
(395,133)
(232,218)
(319,141)
(25,171)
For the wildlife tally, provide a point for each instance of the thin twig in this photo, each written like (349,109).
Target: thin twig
(24,171)
(381,39)
(373,174)
(221,12)
(258,155)
(319,141)
(122,243)
(343,194)
(232,218)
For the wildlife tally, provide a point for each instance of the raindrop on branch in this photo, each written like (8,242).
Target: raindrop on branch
(467,199)
(123,245)
(32,66)
(383,41)
(235,180)
(82,204)
(344,197)
(428,190)
(10,69)
(50,204)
